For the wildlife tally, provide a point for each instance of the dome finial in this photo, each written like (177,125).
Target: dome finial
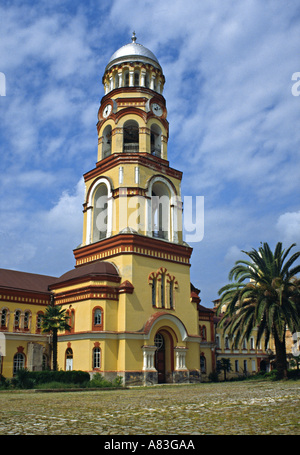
(133,38)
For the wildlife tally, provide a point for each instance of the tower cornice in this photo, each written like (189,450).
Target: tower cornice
(121,244)
(143,159)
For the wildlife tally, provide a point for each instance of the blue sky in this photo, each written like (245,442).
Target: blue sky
(234,122)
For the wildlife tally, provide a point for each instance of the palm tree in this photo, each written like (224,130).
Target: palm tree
(264,296)
(224,365)
(54,320)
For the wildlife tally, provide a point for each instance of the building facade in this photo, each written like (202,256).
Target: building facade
(133,311)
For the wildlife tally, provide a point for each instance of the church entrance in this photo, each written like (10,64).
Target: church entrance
(160,357)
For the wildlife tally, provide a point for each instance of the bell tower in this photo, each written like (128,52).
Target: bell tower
(133,197)
(133,266)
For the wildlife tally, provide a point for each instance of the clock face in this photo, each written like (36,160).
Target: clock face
(107,110)
(156,109)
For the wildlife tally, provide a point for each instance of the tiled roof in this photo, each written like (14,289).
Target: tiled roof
(24,281)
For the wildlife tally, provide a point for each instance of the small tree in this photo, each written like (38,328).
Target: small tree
(224,365)
(53,321)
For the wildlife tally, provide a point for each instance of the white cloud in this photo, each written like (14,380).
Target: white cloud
(65,217)
(233,254)
(288,227)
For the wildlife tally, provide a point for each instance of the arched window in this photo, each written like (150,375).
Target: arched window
(96,358)
(160,211)
(131,136)
(39,319)
(126,79)
(203,332)
(171,295)
(27,315)
(153,289)
(163,289)
(17,321)
(4,318)
(69,359)
(147,80)
(98,317)
(155,140)
(136,78)
(116,78)
(100,213)
(106,142)
(18,362)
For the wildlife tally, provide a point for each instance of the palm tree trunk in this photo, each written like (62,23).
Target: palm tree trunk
(281,363)
(54,352)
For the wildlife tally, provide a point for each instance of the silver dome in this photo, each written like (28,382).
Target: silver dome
(133,52)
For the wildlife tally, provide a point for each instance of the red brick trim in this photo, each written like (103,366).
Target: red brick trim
(132,244)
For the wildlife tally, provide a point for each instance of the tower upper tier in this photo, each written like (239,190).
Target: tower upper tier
(133,65)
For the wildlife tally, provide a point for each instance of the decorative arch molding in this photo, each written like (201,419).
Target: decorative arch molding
(118,118)
(164,180)
(90,206)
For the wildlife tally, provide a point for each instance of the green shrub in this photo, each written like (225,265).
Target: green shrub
(66,377)
(23,379)
(99,381)
(117,382)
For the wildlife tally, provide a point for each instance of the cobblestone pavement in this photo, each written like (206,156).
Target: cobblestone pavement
(220,409)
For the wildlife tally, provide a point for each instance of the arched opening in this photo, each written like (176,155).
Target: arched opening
(131,136)
(4,318)
(155,140)
(136,78)
(18,362)
(160,211)
(96,358)
(27,320)
(203,364)
(147,80)
(69,359)
(17,320)
(126,79)
(97,319)
(116,79)
(106,142)
(100,213)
